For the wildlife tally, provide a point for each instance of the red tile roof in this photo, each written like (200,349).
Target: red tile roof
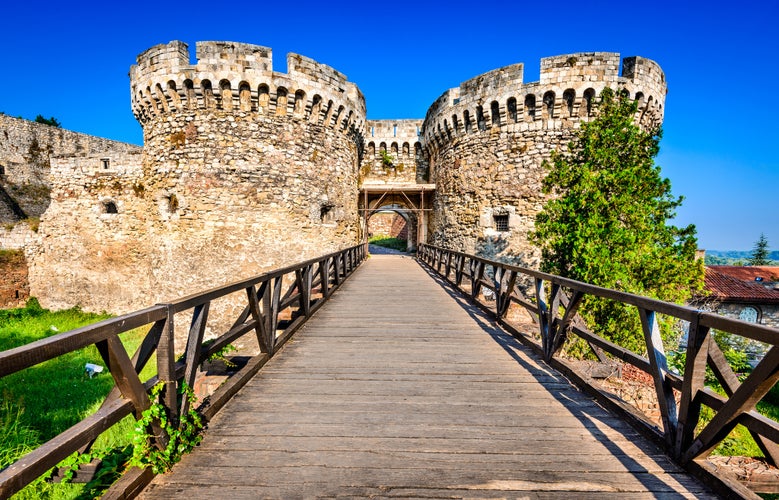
(749,273)
(726,287)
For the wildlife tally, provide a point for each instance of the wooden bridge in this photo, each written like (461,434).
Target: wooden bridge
(400,388)
(403,386)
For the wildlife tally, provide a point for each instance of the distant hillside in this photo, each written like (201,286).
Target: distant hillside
(735,257)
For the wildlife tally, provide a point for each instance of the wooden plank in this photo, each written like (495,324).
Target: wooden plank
(400,388)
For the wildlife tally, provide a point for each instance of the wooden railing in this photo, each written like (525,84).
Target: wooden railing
(298,291)
(554,302)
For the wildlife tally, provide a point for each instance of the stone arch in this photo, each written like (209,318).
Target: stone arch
(263,98)
(151,102)
(402,221)
(189,92)
(225,100)
(455,125)
(208,95)
(495,113)
(406,149)
(316,109)
(569,98)
(337,117)
(383,147)
(530,107)
(173,95)
(394,149)
(467,120)
(328,113)
(161,98)
(371,150)
(245,96)
(300,103)
(281,101)
(549,101)
(347,121)
(511,109)
(480,123)
(588,96)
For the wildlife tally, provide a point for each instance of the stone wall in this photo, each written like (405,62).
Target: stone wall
(768,314)
(400,139)
(486,141)
(26,149)
(243,170)
(388,224)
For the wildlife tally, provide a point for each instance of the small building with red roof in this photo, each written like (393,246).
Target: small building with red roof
(749,293)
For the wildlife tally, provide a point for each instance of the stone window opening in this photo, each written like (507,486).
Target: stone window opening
(548,99)
(245,96)
(589,95)
(501,222)
(495,112)
(569,96)
(109,207)
(105,163)
(173,204)
(281,101)
(530,107)
(327,213)
(511,109)
(2,170)
(209,102)
(480,118)
(467,120)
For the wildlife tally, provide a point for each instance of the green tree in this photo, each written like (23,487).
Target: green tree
(759,256)
(606,222)
(48,121)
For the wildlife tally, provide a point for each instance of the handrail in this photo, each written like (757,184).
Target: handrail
(554,305)
(306,285)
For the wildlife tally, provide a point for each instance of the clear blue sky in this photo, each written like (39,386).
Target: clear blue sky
(720,60)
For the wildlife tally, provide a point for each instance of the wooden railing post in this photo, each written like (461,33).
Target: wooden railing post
(697,354)
(659,366)
(166,367)
(194,342)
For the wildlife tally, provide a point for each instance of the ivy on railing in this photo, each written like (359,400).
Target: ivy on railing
(297,291)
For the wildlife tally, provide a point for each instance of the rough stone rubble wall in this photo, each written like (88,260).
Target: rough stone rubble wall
(487,140)
(26,149)
(243,170)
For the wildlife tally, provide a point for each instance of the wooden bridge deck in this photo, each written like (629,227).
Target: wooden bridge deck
(398,389)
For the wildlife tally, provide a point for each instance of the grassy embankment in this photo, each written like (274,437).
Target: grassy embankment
(40,402)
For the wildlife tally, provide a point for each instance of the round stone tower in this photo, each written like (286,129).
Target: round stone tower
(243,170)
(487,139)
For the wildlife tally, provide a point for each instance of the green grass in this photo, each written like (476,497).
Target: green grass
(42,401)
(388,242)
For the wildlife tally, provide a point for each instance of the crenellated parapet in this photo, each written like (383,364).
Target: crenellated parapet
(566,93)
(486,142)
(402,160)
(239,78)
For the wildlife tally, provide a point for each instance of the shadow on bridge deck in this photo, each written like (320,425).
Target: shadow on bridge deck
(399,388)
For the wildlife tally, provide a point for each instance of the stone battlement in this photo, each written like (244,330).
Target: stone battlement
(566,93)
(239,77)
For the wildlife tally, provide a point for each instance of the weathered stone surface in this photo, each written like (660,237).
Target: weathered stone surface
(243,170)
(486,142)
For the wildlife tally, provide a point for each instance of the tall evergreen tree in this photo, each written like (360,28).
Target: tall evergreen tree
(607,221)
(759,255)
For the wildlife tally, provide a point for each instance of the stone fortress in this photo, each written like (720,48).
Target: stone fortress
(244,169)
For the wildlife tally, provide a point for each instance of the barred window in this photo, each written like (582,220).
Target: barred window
(501,222)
